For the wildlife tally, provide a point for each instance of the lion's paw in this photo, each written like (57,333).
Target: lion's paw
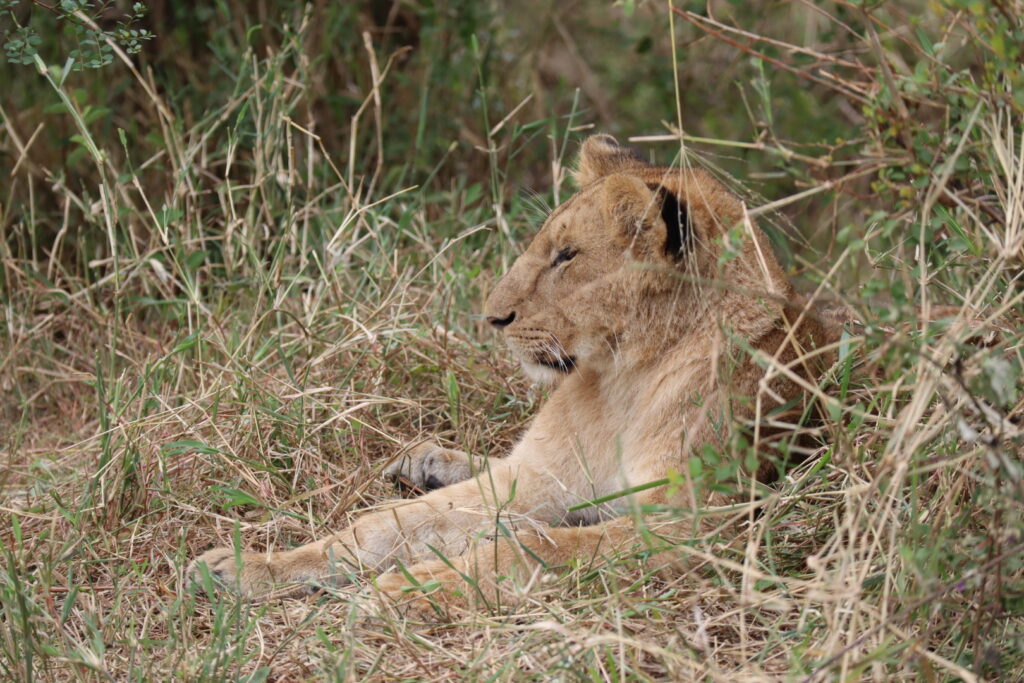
(252,577)
(430,466)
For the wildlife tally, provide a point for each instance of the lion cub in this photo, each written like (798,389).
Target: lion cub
(656,307)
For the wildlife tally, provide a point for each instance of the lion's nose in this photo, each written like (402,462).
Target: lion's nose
(502,322)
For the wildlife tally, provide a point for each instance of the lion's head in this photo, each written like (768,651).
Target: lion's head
(632,262)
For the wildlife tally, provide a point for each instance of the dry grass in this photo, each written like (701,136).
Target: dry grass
(225,339)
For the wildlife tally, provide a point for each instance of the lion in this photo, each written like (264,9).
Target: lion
(658,312)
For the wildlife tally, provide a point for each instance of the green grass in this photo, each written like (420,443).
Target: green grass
(235,282)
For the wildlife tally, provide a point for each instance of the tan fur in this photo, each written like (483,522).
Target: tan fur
(650,350)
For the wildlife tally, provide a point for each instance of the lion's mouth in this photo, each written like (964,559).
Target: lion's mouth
(566,365)
(542,352)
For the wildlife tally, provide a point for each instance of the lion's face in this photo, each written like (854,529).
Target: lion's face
(544,303)
(592,272)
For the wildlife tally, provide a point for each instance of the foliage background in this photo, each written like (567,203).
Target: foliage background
(243,263)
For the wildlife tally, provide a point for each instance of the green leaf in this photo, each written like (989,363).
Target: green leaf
(186,343)
(237,497)
(618,494)
(453,398)
(188,446)
(696,467)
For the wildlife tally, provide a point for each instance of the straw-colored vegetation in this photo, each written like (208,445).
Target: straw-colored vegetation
(243,261)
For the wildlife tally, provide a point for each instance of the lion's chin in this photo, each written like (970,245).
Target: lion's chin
(541,374)
(548,372)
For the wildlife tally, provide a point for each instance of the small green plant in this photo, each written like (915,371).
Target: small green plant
(79,22)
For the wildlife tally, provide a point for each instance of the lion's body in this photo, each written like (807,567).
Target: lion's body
(657,336)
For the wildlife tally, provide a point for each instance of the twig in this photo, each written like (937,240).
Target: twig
(697,21)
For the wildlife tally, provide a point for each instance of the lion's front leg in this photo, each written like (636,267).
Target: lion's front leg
(444,521)
(265,574)
(496,574)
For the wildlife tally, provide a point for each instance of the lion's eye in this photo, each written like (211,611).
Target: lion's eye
(564,255)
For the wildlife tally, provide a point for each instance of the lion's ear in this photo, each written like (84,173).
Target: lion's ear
(600,156)
(678,231)
(630,204)
(653,219)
